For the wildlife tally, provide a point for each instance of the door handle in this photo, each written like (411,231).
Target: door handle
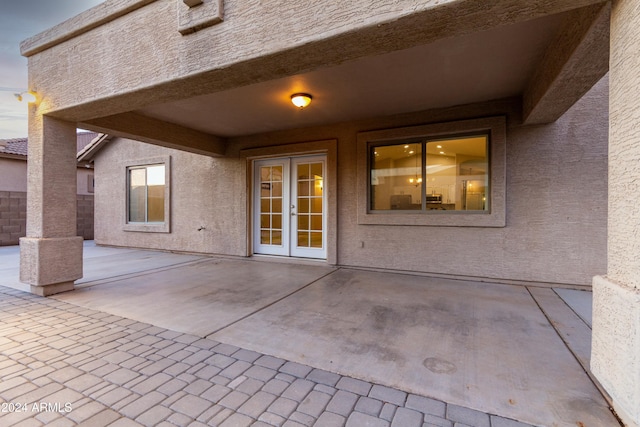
(292,212)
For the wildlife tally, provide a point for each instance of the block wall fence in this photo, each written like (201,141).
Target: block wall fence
(13,217)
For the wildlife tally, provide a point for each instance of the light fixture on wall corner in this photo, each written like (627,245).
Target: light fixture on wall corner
(29,96)
(301,100)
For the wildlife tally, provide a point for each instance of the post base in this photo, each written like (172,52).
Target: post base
(50,266)
(45,291)
(615,347)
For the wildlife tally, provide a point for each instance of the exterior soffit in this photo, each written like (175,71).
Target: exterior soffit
(171,104)
(366,37)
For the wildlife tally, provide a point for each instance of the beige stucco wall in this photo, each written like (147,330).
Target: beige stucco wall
(615,350)
(13,175)
(84,175)
(205,192)
(556,200)
(145,48)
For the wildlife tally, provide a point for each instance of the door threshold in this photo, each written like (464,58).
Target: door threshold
(288,259)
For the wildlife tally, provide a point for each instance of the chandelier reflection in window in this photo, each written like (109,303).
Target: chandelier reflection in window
(416,179)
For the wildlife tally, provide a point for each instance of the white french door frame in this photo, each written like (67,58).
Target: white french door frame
(276,214)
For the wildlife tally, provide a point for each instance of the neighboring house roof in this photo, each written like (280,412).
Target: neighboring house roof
(89,151)
(17,147)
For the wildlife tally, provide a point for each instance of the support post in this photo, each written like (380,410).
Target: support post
(51,253)
(615,354)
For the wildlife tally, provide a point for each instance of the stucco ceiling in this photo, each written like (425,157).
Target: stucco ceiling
(479,67)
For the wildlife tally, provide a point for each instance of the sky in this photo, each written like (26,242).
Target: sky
(19,20)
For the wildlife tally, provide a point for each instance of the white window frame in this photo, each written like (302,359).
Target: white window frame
(150,227)
(495,127)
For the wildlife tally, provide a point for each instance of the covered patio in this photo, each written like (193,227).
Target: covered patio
(519,352)
(215,79)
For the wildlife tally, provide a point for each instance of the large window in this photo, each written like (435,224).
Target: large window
(427,175)
(147,207)
(450,174)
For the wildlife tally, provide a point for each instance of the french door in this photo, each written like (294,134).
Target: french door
(289,207)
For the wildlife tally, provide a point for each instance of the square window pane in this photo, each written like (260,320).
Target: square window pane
(315,240)
(303,171)
(316,170)
(316,222)
(265,221)
(316,187)
(303,239)
(303,188)
(303,222)
(137,177)
(316,205)
(265,174)
(276,237)
(265,205)
(276,174)
(303,205)
(276,189)
(155,175)
(265,189)
(265,237)
(276,222)
(276,205)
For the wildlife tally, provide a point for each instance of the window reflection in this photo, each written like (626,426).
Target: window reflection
(450,174)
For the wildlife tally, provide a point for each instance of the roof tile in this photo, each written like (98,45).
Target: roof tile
(18,146)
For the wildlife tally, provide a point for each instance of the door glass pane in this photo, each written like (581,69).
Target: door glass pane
(316,205)
(316,186)
(303,222)
(316,222)
(276,205)
(271,205)
(316,169)
(303,204)
(276,222)
(276,189)
(310,181)
(265,205)
(315,240)
(303,171)
(303,188)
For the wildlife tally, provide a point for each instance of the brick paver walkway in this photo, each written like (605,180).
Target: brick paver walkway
(63,365)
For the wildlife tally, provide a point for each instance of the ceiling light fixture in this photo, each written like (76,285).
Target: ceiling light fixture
(29,96)
(301,100)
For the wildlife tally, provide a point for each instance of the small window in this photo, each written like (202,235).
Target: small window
(148,197)
(426,175)
(146,194)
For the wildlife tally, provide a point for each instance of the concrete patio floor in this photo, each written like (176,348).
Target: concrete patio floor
(513,351)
